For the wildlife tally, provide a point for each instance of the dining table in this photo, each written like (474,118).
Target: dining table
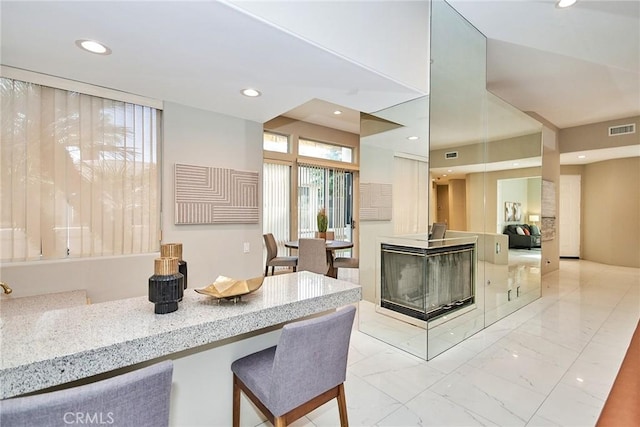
(332,246)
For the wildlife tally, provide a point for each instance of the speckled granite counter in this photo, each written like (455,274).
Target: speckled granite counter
(11,306)
(40,350)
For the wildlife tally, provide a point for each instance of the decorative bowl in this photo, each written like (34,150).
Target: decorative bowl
(228,288)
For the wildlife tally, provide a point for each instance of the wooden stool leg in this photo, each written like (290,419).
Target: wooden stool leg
(342,406)
(236,403)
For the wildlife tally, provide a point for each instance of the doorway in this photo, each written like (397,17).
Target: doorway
(331,189)
(569,213)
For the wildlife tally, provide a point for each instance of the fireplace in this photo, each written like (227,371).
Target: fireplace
(427,282)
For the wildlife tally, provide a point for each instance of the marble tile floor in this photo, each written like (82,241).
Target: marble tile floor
(552,363)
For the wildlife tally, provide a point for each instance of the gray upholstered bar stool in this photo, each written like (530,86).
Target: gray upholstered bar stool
(139,398)
(304,371)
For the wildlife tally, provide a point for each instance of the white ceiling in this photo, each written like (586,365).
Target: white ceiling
(196,53)
(572,67)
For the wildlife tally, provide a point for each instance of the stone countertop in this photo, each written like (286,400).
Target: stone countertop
(40,350)
(12,306)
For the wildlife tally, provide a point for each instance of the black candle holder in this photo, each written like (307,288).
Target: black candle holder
(166,286)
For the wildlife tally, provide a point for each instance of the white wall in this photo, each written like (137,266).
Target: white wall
(376,166)
(190,136)
(199,137)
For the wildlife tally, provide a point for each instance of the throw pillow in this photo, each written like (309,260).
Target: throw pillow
(535,231)
(519,230)
(526,232)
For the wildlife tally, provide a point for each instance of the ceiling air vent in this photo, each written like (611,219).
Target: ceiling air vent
(451,155)
(622,129)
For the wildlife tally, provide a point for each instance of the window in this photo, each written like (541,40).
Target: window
(302,179)
(275,142)
(79,174)
(327,188)
(276,202)
(322,150)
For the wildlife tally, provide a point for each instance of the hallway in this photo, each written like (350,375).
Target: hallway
(551,363)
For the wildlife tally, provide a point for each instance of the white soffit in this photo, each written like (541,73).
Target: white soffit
(593,156)
(390,37)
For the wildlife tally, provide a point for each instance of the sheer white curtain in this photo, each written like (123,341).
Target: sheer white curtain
(410,196)
(79,174)
(276,202)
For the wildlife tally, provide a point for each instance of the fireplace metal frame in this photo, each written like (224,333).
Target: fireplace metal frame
(424,312)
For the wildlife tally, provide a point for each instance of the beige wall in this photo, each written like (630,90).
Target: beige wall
(487,183)
(610,211)
(457,205)
(595,136)
(610,205)
(520,147)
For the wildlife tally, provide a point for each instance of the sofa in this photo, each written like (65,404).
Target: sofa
(523,236)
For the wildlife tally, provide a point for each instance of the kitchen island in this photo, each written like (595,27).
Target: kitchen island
(89,342)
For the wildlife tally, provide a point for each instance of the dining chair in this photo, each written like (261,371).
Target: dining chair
(303,372)
(312,255)
(438,230)
(346,262)
(273,260)
(139,398)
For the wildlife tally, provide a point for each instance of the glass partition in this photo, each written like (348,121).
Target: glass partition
(457,134)
(484,156)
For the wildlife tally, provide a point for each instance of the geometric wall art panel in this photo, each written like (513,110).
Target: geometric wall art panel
(207,195)
(375,202)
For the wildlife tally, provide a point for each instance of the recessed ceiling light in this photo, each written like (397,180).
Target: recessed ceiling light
(337,112)
(93,47)
(582,156)
(516,164)
(251,92)
(412,138)
(449,170)
(565,3)
(444,174)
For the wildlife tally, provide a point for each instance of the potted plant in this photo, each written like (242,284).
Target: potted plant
(323,221)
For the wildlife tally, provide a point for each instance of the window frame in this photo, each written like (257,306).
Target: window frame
(153,124)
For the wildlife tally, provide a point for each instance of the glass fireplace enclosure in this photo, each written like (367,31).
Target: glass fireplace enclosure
(475,141)
(429,299)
